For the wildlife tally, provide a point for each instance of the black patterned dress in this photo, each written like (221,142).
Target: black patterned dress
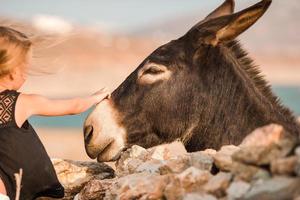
(22,148)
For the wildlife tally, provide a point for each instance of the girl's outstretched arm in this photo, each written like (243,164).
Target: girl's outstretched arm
(31,104)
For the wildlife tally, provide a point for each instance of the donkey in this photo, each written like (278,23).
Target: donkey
(202,89)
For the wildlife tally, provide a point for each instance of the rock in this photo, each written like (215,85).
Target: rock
(160,153)
(201,160)
(297,151)
(264,145)
(264,136)
(222,158)
(178,164)
(153,166)
(209,152)
(130,167)
(133,154)
(196,196)
(73,175)
(237,189)
(218,184)
(249,173)
(167,151)
(76,197)
(284,166)
(161,159)
(297,167)
(138,186)
(174,189)
(95,189)
(135,186)
(275,188)
(193,178)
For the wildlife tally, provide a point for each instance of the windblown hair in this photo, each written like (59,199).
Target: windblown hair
(14,47)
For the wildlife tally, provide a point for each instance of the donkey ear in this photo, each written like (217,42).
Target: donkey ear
(226,8)
(229,27)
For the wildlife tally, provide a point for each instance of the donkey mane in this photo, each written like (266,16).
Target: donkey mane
(252,70)
(254,73)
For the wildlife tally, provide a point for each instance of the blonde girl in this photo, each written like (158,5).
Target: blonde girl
(20,146)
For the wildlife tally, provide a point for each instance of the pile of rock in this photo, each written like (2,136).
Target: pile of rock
(265,166)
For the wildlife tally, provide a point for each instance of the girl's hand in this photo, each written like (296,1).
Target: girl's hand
(101,95)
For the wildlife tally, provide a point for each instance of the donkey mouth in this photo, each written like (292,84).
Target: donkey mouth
(106,154)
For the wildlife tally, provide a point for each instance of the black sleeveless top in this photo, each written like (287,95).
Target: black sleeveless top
(22,148)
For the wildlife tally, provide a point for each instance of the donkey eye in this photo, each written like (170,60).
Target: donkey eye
(153,70)
(153,73)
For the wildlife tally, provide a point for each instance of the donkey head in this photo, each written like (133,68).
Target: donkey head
(177,90)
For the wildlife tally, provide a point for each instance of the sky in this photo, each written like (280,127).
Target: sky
(125,15)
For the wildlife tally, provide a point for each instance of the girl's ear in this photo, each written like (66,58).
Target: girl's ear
(11,76)
(13,73)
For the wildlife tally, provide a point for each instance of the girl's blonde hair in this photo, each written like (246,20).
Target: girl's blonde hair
(14,48)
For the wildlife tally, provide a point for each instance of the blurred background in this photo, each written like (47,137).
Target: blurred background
(99,43)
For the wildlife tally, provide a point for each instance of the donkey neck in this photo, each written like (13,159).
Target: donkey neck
(236,102)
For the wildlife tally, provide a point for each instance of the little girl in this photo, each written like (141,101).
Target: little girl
(20,147)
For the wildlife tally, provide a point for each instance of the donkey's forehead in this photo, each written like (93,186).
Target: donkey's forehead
(167,52)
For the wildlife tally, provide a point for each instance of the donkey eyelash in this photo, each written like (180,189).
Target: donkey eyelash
(153,70)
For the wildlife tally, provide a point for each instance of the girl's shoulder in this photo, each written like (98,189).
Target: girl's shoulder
(7,97)
(7,91)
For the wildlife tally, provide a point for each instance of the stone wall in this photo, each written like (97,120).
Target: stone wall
(265,166)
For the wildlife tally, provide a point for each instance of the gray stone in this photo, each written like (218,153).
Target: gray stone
(129,167)
(264,136)
(297,151)
(174,189)
(178,164)
(249,173)
(218,184)
(167,151)
(271,142)
(209,152)
(222,158)
(284,166)
(134,153)
(138,186)
(201,160)
(237,190)
(175,165)
(153,166)
(73,175)
(160,152)
(198,196)
(276,188)
(95,189)
(297,167)
(193,179)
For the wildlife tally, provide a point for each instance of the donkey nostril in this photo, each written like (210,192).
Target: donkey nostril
(88,133)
